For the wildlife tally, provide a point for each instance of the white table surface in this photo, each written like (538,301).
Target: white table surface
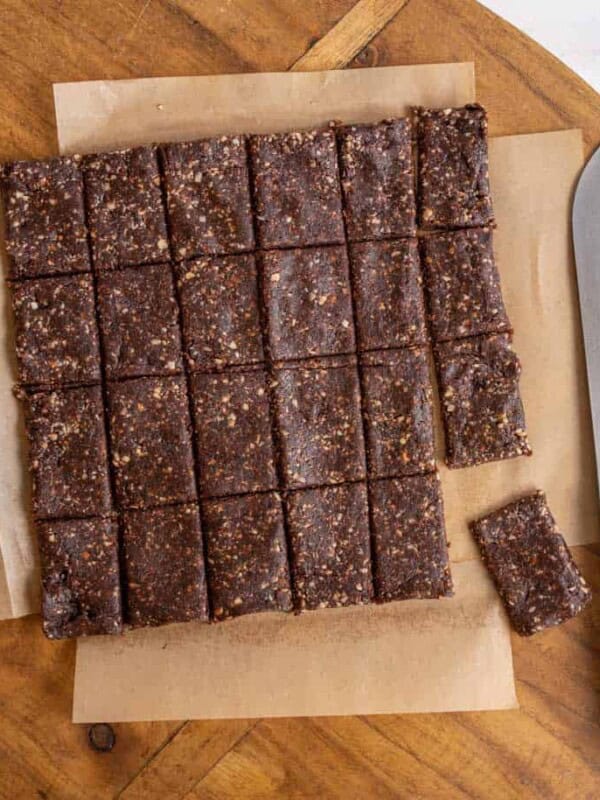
(570,30)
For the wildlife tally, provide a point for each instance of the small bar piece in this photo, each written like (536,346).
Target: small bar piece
(463,285)
(139,322)
(164,566)
(55,331)
(297,189)
(409,539)
(390,309)
(481,405)
(125,208)
(530,563)
(330,551)
(208,196)
(151,437)
(45,218)
(246,555)
(454,188)
(398,412)
(67,453)
(378,180)
(309,306)
(233,432)
(81,594)
(219,309)
(318,414)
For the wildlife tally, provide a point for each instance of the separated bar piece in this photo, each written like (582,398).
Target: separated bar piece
(219,310)
(453,179)
(125,208)
(246,554)
(139,322)
(481,405)
(318,416)
(398,408)
(378,180)
(208,196)
(390,308)
(297,189)
(81,593)
(463,285)
(164,566)
(45,218)
(67,453)
(56,332)
(329,546)
(233,432)
(531,565)
(409,539)
(151,442)
(308,302)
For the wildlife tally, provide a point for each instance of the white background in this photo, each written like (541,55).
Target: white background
(568,28)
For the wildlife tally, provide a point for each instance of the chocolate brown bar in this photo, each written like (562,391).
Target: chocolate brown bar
(329,546)
(378,179)
(139,321)
(390,309)
(233,432)
(246,555)
(55,331)
(454,188)
(67,453)
(481,405)
(45,218)
(151,442)
(81,593)
(308,302)
(297,189)
(164,566)
(409,539)
(398,412)
(219,307)
(463,285)
(125,208)
(208,196)
(534,572)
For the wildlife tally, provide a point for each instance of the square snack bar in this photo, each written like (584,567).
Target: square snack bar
(67,453)
(308,302)
(390,308)
(233,432)
(297,189)
(81,592)
(139,322)
(453,174)
(378,180)
(481,405)
(463,285)
(125,208)
(45,218)
(164,566)
(398,412)
(246,555)
(318,415)
(56,334)
(531,565)
(329,546)
(220,313)
(208,196)
(151,442)
(409,539)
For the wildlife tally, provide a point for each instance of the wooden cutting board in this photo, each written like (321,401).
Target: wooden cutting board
(548,749)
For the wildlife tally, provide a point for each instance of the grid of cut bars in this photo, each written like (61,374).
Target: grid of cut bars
(224,347)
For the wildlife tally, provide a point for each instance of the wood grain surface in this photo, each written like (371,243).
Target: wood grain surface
(550,749)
